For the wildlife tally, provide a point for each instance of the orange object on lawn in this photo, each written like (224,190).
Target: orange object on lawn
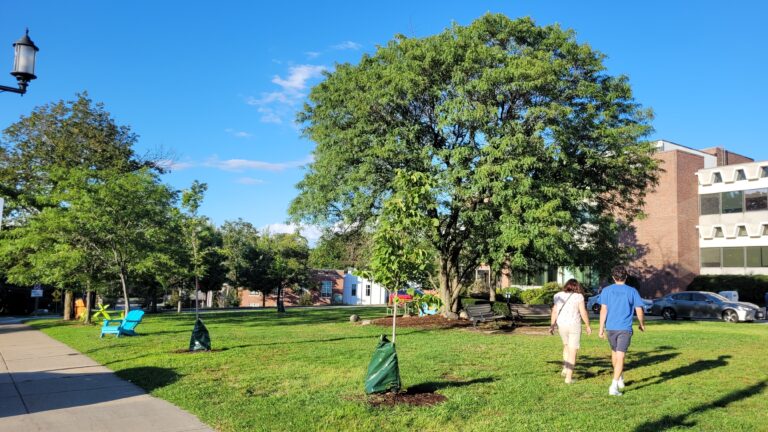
(79,308)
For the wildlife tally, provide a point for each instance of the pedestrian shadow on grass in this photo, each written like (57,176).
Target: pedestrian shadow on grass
(683,420)
(634,360)
(149,378)
(689,369)
(433,386)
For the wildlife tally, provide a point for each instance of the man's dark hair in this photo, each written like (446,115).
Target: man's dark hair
(619,273)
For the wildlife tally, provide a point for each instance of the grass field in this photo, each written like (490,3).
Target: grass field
(305,371)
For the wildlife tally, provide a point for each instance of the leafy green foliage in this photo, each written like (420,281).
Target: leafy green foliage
(533,152)
(543,295)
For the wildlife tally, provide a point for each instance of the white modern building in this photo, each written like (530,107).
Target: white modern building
(361,291)
(733,219)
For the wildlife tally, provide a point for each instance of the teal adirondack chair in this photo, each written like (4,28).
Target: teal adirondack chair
(126,326)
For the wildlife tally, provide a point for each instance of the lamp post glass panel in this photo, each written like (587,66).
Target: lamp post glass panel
(25,52)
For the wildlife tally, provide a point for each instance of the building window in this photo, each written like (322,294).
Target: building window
(756,199)
(740,174)
(326,288)
(253,293)
(757,256)
(710,257)
(764,172)
(718,232)
(354,290)
(717,178)
(741,231)
(765,230)
(733,202)
(733,257)
(710,204)
(368,290)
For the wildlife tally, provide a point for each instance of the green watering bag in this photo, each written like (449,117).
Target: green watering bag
(201,340)
(383,371)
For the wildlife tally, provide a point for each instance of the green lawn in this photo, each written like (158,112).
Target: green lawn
(305,371)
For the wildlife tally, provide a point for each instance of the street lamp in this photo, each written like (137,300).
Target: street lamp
(23,64)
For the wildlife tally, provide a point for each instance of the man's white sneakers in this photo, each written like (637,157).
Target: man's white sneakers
(620,384)
(614,391)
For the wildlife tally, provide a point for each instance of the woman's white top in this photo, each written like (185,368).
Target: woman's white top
(569,310)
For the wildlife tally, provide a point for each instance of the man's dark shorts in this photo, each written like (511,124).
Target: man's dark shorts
(619,339)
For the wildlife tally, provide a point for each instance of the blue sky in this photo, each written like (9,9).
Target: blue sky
(216,85)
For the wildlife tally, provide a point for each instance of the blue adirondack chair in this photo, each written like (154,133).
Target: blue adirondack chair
(425,309)
(126,326)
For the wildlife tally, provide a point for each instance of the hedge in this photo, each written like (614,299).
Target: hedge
(750,288)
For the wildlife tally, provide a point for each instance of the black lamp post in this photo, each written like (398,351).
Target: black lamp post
(23,64)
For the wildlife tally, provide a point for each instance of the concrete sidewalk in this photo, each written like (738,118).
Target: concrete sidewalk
(47,386)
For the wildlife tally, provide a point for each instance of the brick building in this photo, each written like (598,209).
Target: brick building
(329,282)
(667,239)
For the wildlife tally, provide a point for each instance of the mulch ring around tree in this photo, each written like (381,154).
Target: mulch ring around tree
(425,322)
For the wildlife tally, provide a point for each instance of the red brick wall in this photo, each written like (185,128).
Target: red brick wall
(725,157)
(666,239)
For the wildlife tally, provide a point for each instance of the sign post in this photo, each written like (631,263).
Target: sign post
(37,292)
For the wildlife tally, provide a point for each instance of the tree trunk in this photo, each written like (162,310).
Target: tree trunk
(280,305)
(491,288)
(178,304)
(263,299)
(449,285)
(88,305)
(124,283)
(67,305)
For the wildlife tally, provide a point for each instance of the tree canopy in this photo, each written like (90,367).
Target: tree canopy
(534,151)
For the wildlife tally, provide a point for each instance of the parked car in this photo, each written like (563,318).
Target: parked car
(702,304)
(593,304)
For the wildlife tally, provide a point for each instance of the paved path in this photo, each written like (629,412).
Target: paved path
(48,387)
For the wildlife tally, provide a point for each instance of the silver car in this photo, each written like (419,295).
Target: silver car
(702,304)
(593,304)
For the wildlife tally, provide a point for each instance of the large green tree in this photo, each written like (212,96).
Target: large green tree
(67,134)
(535,151)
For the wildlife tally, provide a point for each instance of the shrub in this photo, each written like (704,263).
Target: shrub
(750,288)
(515,294)
(305,299)
(543,295)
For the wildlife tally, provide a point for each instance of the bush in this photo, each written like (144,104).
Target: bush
(515,294)
(306,299)
(750,288)
(543,295)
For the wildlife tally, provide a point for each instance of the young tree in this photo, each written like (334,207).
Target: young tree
(534,150)
(342,249)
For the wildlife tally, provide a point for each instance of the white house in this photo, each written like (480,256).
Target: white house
(361,291)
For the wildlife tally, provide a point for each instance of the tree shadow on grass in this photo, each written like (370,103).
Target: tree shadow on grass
(433,386)
(149,378)
(690,369)
(682,420)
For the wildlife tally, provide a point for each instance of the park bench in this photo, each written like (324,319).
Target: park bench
(520,311)
(481,313)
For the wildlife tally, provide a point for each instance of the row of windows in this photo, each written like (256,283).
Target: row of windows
(741,231)
(750,256)
(740,175)
(367,290)
(733,202)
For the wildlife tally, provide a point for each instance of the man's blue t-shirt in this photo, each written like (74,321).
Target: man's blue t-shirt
(621,301)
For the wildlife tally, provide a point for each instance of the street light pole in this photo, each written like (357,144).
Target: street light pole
(25,52)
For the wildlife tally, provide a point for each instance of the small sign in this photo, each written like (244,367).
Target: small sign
(37,291)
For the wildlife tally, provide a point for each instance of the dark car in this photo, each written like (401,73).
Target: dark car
(701,304)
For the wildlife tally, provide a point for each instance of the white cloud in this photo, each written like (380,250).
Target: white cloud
(310,232)
(172,165)
(239,165)
(250,181)
(298,77)
(276,106)
(312,54)
(238,134)
(347,45)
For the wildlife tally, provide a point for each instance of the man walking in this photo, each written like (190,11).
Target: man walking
(618,302)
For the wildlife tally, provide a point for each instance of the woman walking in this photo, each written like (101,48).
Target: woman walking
(567,313)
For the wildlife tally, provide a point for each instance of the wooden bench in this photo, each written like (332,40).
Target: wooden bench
(481,313)
(520,311)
